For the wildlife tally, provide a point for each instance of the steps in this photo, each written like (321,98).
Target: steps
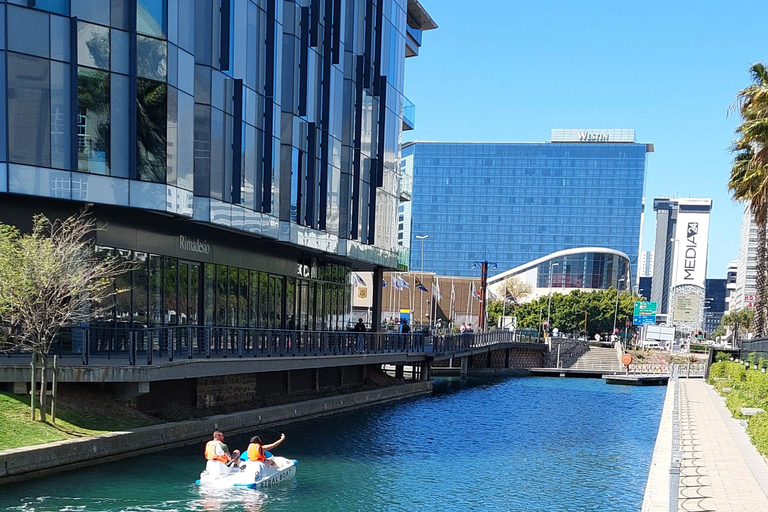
(598,358)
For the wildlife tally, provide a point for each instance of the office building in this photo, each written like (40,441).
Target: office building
(645,264)
(715,293)
(680,260)
(745,293)
(513,203)
(244,153)
(644,288)
(731,276)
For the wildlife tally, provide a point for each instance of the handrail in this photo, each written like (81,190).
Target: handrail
(146,345)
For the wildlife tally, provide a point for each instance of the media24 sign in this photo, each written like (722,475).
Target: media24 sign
(644,313)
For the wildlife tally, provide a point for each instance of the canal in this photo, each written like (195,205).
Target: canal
(521,444)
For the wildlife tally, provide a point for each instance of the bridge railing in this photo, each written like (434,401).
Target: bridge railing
(147,345)
(169,343)
(466,341)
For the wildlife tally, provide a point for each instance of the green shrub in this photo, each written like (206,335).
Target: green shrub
(698,347)
(757,429)
(751,359)
(722,357)
(762,362)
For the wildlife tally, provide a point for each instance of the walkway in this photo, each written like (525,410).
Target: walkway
(720,469)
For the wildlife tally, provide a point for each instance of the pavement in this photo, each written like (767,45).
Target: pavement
(720,469)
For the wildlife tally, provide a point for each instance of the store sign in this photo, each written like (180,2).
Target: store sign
(593,137)
(196,245)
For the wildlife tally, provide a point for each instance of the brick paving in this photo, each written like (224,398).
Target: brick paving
(720,469)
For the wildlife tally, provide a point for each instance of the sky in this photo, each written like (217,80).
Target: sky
(511,70)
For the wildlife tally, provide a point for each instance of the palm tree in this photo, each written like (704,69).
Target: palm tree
(749,175)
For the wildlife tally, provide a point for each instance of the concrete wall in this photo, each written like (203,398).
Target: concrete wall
(35,461)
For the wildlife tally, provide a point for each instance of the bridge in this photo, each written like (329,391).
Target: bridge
(204,364)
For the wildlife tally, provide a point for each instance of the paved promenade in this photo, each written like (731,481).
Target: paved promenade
(720,469)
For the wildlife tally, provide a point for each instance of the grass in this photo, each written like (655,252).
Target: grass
(79,414)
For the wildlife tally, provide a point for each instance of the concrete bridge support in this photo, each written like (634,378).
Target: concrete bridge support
(464,367)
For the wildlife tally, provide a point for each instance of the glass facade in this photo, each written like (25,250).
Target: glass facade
(587,270)
(274,118)
(514,203)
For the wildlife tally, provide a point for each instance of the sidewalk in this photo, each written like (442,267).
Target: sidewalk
(720,469)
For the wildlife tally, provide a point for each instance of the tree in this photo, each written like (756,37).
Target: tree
(749,174)
(51,278)
(512,292)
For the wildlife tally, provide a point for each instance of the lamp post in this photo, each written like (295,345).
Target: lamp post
(422,238)
(549,302)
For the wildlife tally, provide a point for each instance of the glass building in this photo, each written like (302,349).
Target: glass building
(512,203)
(245,153)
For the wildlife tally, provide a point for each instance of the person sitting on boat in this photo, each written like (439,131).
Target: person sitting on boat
(220,461)
(257,452)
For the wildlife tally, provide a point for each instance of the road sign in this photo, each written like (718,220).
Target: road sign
(644,313)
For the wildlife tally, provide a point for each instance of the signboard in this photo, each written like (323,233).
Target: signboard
(686,307)
(592,135)
(690,248)
(644,313)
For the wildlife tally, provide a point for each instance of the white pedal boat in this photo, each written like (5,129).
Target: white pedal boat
(253,475)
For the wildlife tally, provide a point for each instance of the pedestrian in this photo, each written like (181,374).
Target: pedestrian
(463,328)
(404,327)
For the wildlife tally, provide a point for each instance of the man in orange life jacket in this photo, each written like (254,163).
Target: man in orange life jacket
(256,450)
(218,456)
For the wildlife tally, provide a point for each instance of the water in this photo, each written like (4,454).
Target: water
(526,444)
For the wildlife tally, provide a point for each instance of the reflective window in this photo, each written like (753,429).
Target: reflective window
(119,14)
(60,116)
(29,110)
(202,150)
(96,11)
(22,23)
(120,104)
(93,113)
(151,126)
(3,153)
(56,6)
(92,46)
(152,17)
(119,51)
(60,38)
(151,58)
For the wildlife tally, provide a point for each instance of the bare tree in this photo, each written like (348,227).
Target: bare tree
(517,288)
(51,278)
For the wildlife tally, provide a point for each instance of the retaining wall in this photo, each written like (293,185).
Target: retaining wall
(29,462)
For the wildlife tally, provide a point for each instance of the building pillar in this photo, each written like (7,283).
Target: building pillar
(464,367)
(399,371)
(378,278)
(426,369)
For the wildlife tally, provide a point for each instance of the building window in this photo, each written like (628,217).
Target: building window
(93,130)
(151,129)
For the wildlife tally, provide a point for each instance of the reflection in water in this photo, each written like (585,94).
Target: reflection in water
(526,444)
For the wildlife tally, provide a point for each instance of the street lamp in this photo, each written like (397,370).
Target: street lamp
(549,302)
(422,238)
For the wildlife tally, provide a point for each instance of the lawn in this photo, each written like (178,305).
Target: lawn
(79,414)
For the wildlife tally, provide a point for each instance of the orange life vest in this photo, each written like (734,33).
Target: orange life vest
(256,452)
(210,451)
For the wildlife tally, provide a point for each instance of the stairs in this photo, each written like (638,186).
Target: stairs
(598,358)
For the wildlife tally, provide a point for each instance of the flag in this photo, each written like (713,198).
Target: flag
(492,295)
(394,282)
(383,283)
(453,293)
(401,283)
(436,289)
(357,280)
(420,286)
(475,293)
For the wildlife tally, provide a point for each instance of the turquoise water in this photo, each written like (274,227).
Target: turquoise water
(525,444)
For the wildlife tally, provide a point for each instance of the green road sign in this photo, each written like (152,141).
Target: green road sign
(644,309)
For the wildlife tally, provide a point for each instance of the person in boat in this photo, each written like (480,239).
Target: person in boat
(220,461)
(257,452)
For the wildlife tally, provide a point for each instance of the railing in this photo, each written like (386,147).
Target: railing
(146,345)
(409,112)
(685,370)
(455,342)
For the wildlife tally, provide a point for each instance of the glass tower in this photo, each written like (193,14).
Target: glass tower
(512,203)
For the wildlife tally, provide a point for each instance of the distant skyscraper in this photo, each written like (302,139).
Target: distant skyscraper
(645,264)
(514,203)
(680,260)
(744,295)
(730,285)
(644,287)
(714,303)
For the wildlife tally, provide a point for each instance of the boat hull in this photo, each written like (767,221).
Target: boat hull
(252,475)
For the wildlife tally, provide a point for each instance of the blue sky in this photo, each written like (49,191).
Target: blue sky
(511,70)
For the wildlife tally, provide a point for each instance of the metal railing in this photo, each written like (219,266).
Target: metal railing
(146,345)
(454,342)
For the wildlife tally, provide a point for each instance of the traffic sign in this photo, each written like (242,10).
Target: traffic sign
(644,320)
(644,313)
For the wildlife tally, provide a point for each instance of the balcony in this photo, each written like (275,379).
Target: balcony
(409,114)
